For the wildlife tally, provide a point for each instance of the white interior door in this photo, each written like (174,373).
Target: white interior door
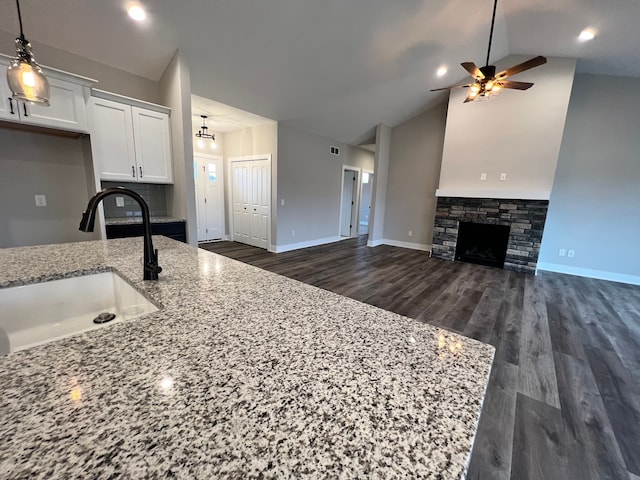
(209,183)
(365,201)
(348,202)
(251,201)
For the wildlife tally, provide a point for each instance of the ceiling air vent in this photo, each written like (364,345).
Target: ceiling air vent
(335,150)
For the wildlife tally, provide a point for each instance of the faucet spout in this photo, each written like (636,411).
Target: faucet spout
(151,268)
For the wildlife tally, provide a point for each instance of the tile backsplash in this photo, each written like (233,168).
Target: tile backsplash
(154,194)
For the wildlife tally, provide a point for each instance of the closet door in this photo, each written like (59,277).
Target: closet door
(260,201)
(251,202)
(241,207)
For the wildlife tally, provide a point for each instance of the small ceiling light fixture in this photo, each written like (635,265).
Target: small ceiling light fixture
(586,35)
(442,71)
(24,75)
(204,133)
(137,13)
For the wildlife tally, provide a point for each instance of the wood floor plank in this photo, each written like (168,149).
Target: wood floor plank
(595,453)
(537,375)
(539,448)
(491,456)
(591,326)
(621,400)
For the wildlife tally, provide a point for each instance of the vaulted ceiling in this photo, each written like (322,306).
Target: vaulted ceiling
(333,67)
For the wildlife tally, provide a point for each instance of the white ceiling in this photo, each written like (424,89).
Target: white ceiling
(220,117)
(333,67)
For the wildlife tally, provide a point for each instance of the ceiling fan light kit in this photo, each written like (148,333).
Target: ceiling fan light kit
(24,75)
(487,83)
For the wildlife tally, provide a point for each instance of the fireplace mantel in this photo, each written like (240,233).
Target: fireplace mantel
(498,194)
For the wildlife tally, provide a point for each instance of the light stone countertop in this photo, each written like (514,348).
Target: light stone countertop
(241,374)
(136,220)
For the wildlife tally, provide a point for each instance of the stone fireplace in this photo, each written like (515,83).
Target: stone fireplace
(525,219)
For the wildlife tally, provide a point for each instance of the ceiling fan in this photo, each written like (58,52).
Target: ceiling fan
(487,81)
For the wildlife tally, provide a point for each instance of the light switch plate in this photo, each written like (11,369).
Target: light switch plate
(483,176)
(41,200)
(503,177)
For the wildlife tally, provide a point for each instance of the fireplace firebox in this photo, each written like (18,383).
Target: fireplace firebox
(482,244)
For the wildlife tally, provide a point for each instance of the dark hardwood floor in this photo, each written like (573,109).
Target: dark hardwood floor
(563,400)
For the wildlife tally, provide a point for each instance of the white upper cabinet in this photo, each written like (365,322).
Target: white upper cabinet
(130,143)
(152,145)
(112,140)
(67,110)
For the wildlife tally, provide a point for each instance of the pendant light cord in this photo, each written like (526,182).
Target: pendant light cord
(20,20)
(493,21)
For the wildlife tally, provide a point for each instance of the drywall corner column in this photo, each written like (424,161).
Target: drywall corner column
(175,92)
(379,197)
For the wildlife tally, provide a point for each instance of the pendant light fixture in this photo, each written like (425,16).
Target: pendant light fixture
(24,75)
(204,133)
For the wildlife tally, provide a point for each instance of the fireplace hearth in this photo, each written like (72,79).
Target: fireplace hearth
(524,220)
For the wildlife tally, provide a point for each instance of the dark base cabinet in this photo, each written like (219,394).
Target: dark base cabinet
(175,230)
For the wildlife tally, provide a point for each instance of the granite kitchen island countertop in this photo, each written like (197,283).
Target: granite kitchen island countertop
(241,374)
(138,220)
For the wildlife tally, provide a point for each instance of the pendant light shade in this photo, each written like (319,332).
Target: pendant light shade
(24,75)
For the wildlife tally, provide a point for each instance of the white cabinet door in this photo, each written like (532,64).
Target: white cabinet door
(8,106)
(153,146)
(112,140)
(66,108)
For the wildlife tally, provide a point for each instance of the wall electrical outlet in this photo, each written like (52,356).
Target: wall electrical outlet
(293,233)
(562,252)
(41,200)
(503,177)
(410,233)
(483,176)
(119,201)
(282,202)
(571,253)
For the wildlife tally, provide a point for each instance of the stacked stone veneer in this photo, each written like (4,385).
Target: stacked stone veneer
(525,217)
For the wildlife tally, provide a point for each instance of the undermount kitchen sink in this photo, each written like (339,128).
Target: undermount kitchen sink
(34,314)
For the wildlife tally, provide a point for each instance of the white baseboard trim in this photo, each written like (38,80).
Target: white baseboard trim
(310,243)
(587,272)
(397,243)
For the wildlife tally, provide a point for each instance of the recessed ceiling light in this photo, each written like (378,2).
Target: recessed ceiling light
(442,71)
(586,35)
(137,13)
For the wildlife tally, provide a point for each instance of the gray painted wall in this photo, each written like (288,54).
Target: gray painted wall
(175,87)
(36,163)
(379,199)
(309,181)
(595,203)
(414,170)
(109,78)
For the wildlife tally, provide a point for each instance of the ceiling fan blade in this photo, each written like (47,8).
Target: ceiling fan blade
(516,85)
(473,70)
(534,62)
(469,99)
(448,88)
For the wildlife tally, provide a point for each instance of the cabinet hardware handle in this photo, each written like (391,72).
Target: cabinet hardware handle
(133,171)
(11,105)
(140,171)
(24,107)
